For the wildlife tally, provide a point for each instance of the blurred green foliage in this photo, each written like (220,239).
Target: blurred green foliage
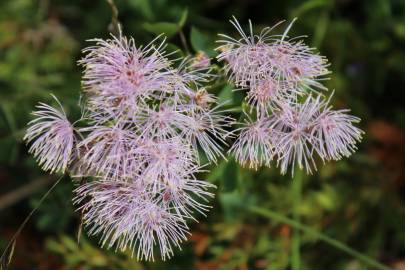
(358,201)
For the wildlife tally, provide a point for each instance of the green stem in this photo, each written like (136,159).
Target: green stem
(296,190)
(308,230)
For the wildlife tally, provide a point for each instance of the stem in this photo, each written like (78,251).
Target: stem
(296,190)
(115,24)
(306,229)
(184,41)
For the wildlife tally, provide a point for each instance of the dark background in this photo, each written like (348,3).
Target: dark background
(359,201)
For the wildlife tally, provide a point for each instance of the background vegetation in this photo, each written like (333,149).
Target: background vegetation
(359,201)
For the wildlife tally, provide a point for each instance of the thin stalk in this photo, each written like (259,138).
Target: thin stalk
(7,254)
(115,26)
(184,41)
(296,190)
(274,216)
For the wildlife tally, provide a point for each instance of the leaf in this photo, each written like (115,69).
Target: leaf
(183,18)
(308,5)
(167,28)
(321,29)
(226,95)
(200,42)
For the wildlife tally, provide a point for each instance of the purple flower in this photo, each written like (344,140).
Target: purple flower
(206,129)
(146,123)
(166,121)
(254,147)
(295,62)
(163,162)
(201,60)
(336,135)
(285,122)
(127,217)
(106,152)
(245,57)
(294,125)
(119,76)
(272,67)
(52,138)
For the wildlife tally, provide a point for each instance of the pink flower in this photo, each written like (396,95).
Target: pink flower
(52,137)
(163,162)
(284,121)
(295,62)
(294,125)
(147,121)
(156,225)
(132,215)
(265,94)
(166,121)
(106,152)
(201,60)
(246,56)
(336,135)
(127,217)
(206,129)
(254,147)
(185,197)
(270,66)
(119,76)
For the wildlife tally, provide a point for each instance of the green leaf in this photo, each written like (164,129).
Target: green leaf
(226,95)
(167,28)
(307,6)
(183,18)
(200,42)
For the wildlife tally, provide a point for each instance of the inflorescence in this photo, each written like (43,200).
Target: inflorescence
(287,118)
(138,156)
(135,152)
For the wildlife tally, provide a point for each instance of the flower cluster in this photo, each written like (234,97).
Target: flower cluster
(287,120)
(146,120)
(138,154)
